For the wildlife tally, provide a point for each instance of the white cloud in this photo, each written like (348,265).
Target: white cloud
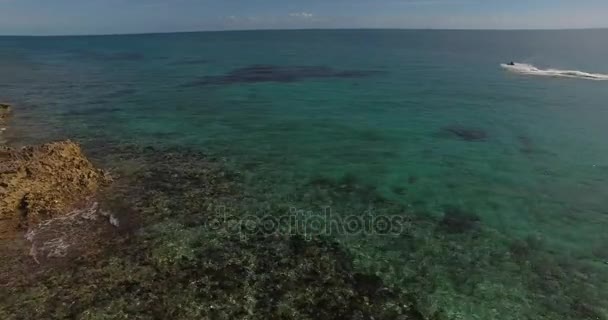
(304,15)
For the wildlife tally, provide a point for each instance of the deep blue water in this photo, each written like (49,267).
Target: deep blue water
(427,119)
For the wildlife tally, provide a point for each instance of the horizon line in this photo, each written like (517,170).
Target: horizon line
(300,29)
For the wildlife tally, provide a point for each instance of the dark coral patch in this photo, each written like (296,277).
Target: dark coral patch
(121,93)
(524,249)
(189,62)
(125,56)
(465,133)
(114,56)
(456,220)
(270,73)
(348,186)
(399,190)
(526,145)
(412,179)
(93,110)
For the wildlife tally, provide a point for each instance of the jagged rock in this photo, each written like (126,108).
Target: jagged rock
(37,183)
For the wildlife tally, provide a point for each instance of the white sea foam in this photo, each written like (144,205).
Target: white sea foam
(55,237)
(529,69)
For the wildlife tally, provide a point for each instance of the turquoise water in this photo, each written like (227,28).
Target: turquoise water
(424,119)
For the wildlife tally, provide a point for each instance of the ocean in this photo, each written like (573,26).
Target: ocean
(507,170)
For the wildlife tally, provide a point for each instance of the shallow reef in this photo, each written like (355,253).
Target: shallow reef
(184,259)
(271,73)
(182,251)
(453,265)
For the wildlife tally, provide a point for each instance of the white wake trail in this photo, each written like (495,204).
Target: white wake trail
(529,69)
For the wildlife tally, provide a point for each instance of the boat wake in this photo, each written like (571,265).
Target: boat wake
(529,69)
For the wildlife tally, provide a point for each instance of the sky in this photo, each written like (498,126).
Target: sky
(53,17)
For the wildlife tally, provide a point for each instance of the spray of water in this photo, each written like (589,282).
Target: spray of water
(529,69)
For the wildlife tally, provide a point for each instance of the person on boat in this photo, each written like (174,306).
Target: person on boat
(511,63)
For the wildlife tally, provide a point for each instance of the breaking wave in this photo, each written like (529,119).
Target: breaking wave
(529,69)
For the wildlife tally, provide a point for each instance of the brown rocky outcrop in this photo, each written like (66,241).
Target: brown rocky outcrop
(5,110)
(40,182)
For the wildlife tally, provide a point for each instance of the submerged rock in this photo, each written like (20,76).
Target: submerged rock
(40,182)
